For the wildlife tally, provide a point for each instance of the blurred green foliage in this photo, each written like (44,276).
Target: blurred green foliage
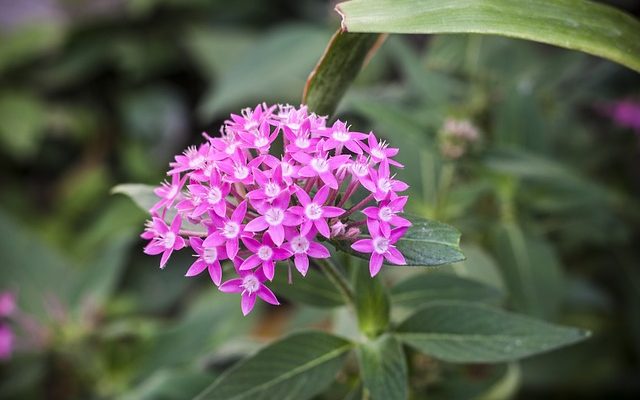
(547,200)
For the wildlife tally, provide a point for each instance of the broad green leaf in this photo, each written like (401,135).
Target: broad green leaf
(343,58)
(100,277)
(144,198)
(212,320)
(372,302)
(39,274)
(420,289)
(531,270)
(383,367)
(170,384)
(426,243)
(140,193)
(273,69)
(314,289)
(24,120)
(470,333)
(298,367)
(575,24)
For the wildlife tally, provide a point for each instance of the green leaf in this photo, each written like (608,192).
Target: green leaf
(343,58)
(212,320)
(170,384)
(140,193)
(37,272)
(575,24)
(426,243)
(297,367)
(531,270)
(314,289)
(372,302)
(420,289)
(471,333)
(384,368)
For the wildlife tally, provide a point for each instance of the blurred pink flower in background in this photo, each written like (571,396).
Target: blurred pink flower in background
(625,113)
(7,308)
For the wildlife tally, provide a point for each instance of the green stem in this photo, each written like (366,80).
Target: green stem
(337,278)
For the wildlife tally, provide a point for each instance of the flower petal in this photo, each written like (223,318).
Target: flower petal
(375,264)
(247,302)
(363,246)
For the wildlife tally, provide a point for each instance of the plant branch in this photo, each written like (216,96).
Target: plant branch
(337,278)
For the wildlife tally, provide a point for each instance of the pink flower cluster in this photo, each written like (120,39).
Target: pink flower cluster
(7,308)
(230,199)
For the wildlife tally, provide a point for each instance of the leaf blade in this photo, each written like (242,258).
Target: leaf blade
(584,25)
(384,368)
(467,332)
(283,369)
(339,65)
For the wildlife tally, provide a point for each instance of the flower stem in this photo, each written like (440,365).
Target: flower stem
(337,278)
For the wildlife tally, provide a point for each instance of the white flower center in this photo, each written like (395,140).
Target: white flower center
(197,162)
(293,126)
(378,153)
(173,192)
(230,230)
(385,214)
(384,184)
(302,142)
(265,253)
(274,216)
(299,244)
(380,245)
(250,283)
(272,189)
(341,136)
(240,172)
(313,211)
(320,165)
(261,141)
(210,255)
(250,125)
(231,148)
(287,169)
(359,169)
(214,195)
(168,240)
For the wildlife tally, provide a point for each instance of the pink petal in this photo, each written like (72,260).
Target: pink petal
(321,195)
(375,264)
(323,227)
(399,221)
(247,302)
(317,250)
(252,261)
(153,249)
(302,263)
(291,219)
(303,197)
(165,257)
(256,225)
(397,233)
(371,212)
(232,248)
(239,212)
(277,234)
(307,172)
(363,246)
(394,256)
(251,244)
(196,268)
(269,269)
(328,178)
(196,244)
(215,272)
(280,254)
(267,295)
(330,212)
(232,286)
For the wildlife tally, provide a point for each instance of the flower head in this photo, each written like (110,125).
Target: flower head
(232,200)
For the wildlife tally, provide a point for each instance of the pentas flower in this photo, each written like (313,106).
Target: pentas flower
(381,247)
(210,252)
(264,255)
(243,203)
(166,240)
(250,285)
